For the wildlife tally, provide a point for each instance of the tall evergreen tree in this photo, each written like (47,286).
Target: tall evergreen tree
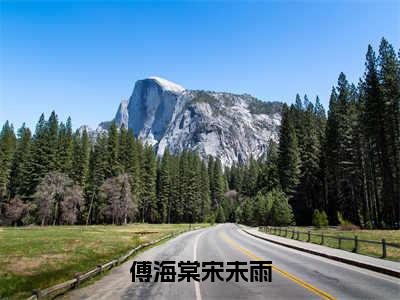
(331,156)
(164,188)
(346,162)
(390,92)
(7,148)
(307,195)
(80,157)
(250,179)
(372,120)
(96,176)
(113,163)
(123,154)
(40,158)
(21,164)
(175,210)
(218,183)
(148,204)
(289,157)
(64,148)
(52,140)
(133,168)
(205,193)
(210,169)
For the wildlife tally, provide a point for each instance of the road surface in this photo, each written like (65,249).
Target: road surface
(296,275)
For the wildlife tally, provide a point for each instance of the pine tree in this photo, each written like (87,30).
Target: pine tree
(331,156)
(51,142)
(205,193)
(40,161)
(80,157)
(164,188)
(372,123)
(264,207)
(113,165)
(44,149)
(193,196)
(183,184)
(390,92)
(96,175)
(22,164)
(307,195)
(297,119)
(148,195)
(342,140)
(133,168)
(7,149)
(210,169)
(247,213)
(346,162)
(320,116)
(218,183)
(289,157)
(235,177)
(175,211)
(64,148)
(271,174)
(281,211)
(123,154)
(250,179)
(321,121)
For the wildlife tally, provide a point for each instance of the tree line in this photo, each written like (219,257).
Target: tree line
(55,176)
(338,168)
(348,164)
(343,166)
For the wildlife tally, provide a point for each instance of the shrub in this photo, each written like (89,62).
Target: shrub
(281,212)
(324,219)
(210,218)
(345,224)
(320,219)
(316,219)
(263,208)
(14,212)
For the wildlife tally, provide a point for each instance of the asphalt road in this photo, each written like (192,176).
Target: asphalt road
(296,275)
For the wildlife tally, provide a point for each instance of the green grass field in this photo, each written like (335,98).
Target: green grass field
(39,257)
(391,236)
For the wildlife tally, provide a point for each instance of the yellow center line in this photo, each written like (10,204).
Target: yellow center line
(297,280)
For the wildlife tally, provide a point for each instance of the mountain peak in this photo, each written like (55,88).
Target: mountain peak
(167,85)
(231,127)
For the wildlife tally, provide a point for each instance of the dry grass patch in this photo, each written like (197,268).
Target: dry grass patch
(28,265)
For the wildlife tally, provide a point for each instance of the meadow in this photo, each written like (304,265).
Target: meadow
(39,257)
(391,236)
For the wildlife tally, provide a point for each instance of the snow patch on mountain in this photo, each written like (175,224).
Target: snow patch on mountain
(168,85)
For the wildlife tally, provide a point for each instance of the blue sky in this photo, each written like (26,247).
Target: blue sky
(82,58)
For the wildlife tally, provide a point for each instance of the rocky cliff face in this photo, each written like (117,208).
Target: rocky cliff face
(224,125)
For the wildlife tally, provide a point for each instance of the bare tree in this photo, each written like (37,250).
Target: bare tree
(14,211)
(118,206)
(59,200)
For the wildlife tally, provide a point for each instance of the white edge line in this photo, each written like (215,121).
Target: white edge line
(196,283)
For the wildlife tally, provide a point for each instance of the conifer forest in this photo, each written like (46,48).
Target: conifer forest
(342,162)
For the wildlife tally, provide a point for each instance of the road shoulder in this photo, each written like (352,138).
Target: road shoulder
(362,261)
